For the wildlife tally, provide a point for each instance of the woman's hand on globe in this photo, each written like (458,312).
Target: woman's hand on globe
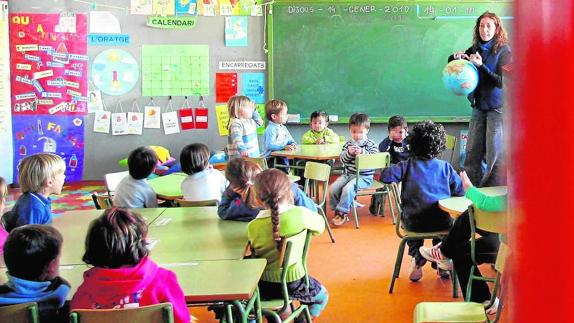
(460,55)
(476,59)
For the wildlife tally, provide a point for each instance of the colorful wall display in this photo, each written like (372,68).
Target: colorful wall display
(115,72)
(48,63)
(254,86)
(236,31)
(61,135)
(6,150)
(176,70)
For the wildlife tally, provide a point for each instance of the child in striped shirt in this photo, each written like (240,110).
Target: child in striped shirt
(243,122)
(342,191)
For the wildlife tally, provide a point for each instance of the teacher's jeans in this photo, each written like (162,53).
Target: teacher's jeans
(485,143)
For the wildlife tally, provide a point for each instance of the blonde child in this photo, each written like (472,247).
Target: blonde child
(280,219)
(238,201)
(319,133)
(277,136)
(342,191)
(243,122)
(40,176)
(122,274)
(203,182)
(133,191)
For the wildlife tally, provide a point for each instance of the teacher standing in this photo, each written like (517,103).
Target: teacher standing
(489,53)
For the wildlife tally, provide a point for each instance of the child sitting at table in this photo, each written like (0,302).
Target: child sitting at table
(32,256)
(277,136)
(319,133)
(342,191)
(243,122)
(203,182)
(425,180)
(238,200)
(281,219)
(123,276)
(40,176)
(133,191)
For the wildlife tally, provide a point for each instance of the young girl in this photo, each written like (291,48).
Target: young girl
(238,200)
(280,219)
(203,182)
(243,122)
(122,275)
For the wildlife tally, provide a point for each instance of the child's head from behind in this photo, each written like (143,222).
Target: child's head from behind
(319,120)
(116,238)
(397,128)
(240,107)
(427,140)
(31,252)
(141,162)
(359,125)
(276,111)
(241,176)
(194,158)
(273,189)
(43,172)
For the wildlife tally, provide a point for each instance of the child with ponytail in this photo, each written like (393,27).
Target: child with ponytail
(281,219)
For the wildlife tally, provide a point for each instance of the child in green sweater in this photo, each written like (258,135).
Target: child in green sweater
(319,133)
(281,219)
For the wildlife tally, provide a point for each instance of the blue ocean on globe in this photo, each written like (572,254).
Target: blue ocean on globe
(460,77)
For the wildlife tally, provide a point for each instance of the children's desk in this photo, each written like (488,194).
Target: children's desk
(185,234)
(311,152)
(202,281)
(455,206)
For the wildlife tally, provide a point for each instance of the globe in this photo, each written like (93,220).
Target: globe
(460,77)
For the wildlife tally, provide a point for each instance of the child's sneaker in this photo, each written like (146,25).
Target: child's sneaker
(443,273)
(415,272)
(435,255)
(340,218)
(491,310)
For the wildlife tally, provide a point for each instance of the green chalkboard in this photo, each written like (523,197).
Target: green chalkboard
(381,57)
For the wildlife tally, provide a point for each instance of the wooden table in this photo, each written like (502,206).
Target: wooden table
(202,281)
(455,206)
(312,152)
(186,234)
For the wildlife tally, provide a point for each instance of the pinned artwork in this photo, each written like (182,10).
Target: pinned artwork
(119,124)
(115,72)
(236,31)
(102,121)
(152,117)
(185,7)
(141,7)
(95,102)
(135,123)
(254,86)
(225,86)
(61,135)
(48,57)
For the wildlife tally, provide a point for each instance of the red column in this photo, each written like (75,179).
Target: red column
(542,161)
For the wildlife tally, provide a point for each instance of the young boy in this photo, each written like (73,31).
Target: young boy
(277,136)
(425,180)
(32,256)
(40,176)
(342,191)
(133,191)
(320,133)
(397,146)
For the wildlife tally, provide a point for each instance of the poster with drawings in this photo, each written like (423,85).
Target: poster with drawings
(48,54)
(61,135)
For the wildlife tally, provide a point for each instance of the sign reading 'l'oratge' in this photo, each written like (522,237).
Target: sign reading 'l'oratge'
(183,22)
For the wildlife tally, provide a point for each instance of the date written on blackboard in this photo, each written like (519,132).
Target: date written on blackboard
(348,8)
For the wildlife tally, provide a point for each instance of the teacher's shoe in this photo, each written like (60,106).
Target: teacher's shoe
(435,255)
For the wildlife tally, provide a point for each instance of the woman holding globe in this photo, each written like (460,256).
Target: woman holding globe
(489,53)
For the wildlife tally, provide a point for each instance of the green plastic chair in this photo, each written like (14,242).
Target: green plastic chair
(261,161)
(372,161)
(316,186)
(450,145)
(488,221)
(294,250)
(462,312)
(159,313)
(406,235)
(20,313)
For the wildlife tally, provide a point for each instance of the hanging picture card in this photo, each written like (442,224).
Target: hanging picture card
(152,117)
(186,118)
(102,121)
(135,123)
(119,124)
(170,122)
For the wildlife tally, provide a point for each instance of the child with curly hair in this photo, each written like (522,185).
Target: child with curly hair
(425,180)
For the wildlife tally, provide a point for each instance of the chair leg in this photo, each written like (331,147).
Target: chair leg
(398,262)
(269,313)
(322,212)
(393,215)
(454,283)
(355,215)
(308,317)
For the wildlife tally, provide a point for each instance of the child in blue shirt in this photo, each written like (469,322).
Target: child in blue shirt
(238,202)
(134,191)
(277,136)
(32,256)
(39,176)
(342,191)
(425,180)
